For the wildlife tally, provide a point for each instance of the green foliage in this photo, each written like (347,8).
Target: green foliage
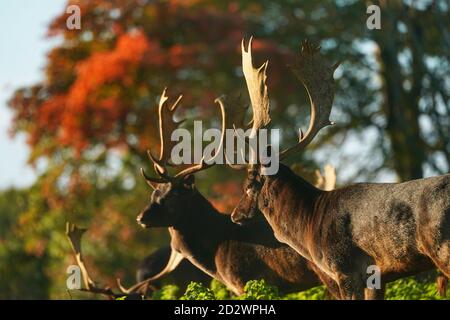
(413,289)
(259,290)
(220,291)
(23,262)
(197,291)
(167,292)
(316,293)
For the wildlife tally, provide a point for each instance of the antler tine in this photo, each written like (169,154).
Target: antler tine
(142,287)
(330,177)
(195,168)
(74,235)
(257,88)
(138,288)
(327,181)
(160,170)
(157,164)
(166,126)
(151,180)
(203,165)
(234,119)
(317,76)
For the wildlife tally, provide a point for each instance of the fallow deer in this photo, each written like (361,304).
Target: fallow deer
(403,228)
(208,239)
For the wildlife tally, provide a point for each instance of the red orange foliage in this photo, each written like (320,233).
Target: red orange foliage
(226,195)
(99,77)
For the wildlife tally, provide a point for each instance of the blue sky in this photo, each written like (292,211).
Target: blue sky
(23,49)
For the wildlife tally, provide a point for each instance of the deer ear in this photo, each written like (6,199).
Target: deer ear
(189,181)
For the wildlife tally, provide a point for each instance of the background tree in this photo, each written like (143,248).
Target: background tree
(93,116)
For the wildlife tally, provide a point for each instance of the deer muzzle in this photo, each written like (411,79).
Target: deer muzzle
(238,218)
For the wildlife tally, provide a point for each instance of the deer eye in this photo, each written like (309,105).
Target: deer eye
(253,174)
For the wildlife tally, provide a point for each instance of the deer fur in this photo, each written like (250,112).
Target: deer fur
(227,252)
(206,237)
(403,228)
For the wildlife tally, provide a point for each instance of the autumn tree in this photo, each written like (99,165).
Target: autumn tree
(91,119)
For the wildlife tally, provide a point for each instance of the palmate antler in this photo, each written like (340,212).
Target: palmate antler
(236,118)
(316,74)
(74,235)
(255,79)
(257,88)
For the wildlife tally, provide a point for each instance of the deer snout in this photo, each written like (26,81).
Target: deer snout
(139,218)
(237,217)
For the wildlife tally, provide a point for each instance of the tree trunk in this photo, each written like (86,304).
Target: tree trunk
(401,106)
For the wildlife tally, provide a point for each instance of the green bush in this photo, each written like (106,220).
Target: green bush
(167,292)
(412,288)
(197,291)
(259,290)
(220,290)
(316,293)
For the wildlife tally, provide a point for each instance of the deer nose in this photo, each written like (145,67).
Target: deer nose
(236,218)
(139,218)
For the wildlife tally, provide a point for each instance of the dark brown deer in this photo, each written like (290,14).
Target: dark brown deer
(207,238)
(402,228)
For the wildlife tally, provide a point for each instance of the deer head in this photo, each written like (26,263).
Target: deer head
(171,192)
(317,76)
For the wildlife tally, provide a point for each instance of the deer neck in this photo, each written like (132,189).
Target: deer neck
(199,233)
(200,225)
(288,203)
(199,216)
